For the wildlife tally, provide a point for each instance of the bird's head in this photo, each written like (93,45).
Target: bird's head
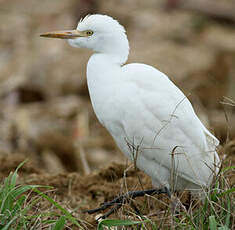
(101,33)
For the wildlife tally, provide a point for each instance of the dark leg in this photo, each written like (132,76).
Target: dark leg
(119,201)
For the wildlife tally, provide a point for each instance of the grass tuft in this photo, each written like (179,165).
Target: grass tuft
(18,207)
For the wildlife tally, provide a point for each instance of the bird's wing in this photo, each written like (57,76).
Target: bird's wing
(161,119)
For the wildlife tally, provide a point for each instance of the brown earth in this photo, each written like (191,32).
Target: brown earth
(46,115)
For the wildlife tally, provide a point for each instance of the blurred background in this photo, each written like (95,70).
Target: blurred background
(45,110)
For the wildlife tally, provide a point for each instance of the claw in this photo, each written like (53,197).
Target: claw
(120,200)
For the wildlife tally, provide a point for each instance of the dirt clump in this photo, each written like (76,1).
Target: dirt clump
(88,192)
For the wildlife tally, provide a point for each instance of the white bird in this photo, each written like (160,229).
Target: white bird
(150,119)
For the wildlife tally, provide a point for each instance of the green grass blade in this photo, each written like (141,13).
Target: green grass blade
(223,228)
(212,223)
(100,226)
(22,189)
(4,199)
(18,205)
(10,197)
(14,175)
(154,226)
(231,190)
(227,220)
(7,226)
(64,211)
(60,223)
(227,168)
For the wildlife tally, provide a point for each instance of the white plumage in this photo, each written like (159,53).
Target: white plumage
(147,115)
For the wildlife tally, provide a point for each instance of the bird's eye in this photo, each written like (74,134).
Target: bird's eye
(89,32)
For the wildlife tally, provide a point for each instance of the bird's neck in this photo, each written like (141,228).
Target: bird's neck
(103,74)
(116,54)
(107,60)
(100,65)
(116,48)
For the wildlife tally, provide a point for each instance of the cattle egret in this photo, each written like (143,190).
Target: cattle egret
(150,119)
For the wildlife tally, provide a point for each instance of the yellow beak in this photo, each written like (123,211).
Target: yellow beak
(64,34)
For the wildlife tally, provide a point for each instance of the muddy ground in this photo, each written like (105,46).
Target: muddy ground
(46,115)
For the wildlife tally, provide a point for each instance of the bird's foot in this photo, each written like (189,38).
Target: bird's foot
(120,200)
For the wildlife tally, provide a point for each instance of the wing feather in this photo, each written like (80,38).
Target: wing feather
(167,122)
